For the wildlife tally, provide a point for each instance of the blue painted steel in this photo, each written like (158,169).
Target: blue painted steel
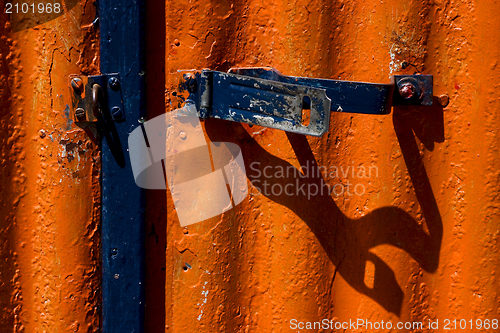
(346,96)
(123,202)
(269,103)
(258,101)
(262,96)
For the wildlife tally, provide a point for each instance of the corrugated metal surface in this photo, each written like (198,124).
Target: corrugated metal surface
(420,242)
(49,191)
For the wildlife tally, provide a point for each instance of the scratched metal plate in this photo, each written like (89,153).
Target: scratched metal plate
(269,103)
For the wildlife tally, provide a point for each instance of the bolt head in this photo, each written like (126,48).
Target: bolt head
(77,85)
(407,90)
(80,114)
(117,113)
(114,83)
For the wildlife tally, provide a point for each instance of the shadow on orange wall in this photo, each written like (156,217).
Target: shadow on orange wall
(347,241)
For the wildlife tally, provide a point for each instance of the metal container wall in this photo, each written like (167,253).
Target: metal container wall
(419,243)
(419,240)
(49,172)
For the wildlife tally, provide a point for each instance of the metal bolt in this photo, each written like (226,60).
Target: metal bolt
(183,135)
(407,90)
(80,114)
(114,83)
(444,100)
(77,85)
(117,113)
(191,83)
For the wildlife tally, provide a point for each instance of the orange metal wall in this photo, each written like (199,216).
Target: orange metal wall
(49,177)
(421,243)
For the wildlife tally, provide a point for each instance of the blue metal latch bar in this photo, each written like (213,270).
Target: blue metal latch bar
(262,96)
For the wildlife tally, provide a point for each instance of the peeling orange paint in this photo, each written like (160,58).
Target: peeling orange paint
(49,170)
(420,244)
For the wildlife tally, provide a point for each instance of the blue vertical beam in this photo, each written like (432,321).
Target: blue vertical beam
(122,42)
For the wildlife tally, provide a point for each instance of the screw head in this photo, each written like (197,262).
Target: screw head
(80,114)
(407,90)
(114,83)
(77,85)
(117,113)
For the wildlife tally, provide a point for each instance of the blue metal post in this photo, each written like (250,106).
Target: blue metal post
(123,202)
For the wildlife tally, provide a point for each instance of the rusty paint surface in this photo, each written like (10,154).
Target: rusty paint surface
(49,171)
(421,243)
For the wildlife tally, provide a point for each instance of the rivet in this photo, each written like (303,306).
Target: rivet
(183,135)
(444,100)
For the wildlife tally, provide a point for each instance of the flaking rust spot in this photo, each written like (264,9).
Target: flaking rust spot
(69,121)
(73,151)
(405,47)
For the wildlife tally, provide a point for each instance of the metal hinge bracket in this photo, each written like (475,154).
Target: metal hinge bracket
(262,96)
(96,98)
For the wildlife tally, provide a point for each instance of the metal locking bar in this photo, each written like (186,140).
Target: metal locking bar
(262,96)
